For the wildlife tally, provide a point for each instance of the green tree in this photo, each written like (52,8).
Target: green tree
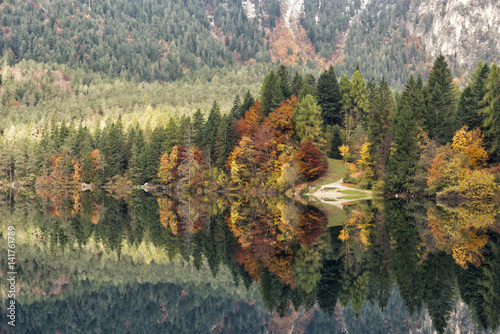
(440,103)
(308,121)
(329,97)
(381,108)
(491,111)
(405,153)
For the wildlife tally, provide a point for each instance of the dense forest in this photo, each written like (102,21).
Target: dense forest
(167,40)
(446,139)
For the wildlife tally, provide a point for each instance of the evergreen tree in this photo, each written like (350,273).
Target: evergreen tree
(405,153)
(270,93)
(226,140)
(379,125)
(336,143)
(198,129)
(440,104)
(248,101)
(296,85)
(469,108)
(329,97)
(491,111)
(211,129)
(308,86)
(284,82)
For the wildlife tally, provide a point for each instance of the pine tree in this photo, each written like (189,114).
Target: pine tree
(308,86)
(440,103)
(248,101)
(405,153)
(284,82)
(198,129)
(469,109)
(211,128)
(329,97)
(270,93)
(491,112)
(296,85)
(336,143)
(379,125)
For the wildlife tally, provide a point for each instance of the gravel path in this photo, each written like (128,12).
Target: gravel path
(331,193)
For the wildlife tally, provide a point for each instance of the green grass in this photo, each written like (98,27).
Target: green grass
(330,188)
(353,192)
(336,170)
(354,197)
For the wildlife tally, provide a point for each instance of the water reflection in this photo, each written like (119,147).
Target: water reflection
(388,264)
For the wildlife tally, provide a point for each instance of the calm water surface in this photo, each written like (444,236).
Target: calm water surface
(142,263)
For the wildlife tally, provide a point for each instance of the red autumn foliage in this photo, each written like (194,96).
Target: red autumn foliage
(311,160)
(281,120)
(247,126)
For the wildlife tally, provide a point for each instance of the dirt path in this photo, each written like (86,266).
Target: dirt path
(332,194)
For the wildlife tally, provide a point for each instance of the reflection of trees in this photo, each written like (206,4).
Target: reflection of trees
(462,230)
(480,286)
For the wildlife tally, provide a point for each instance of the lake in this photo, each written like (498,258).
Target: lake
(151,263)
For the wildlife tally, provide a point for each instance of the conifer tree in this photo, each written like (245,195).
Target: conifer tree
(329,97)
(296,85)
(211,128)
(284,82)
(270,93)
(469,108)
(336,143)
(248,101)
(491,112)
(440,103)
(198,129)
(308,86)
(405,152)
(379,125)
(308,121)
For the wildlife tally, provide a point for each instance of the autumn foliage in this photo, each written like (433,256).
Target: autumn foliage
(311,160)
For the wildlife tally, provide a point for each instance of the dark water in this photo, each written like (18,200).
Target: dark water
(141,263)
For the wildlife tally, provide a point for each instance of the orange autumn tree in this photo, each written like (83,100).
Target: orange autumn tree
(456,168)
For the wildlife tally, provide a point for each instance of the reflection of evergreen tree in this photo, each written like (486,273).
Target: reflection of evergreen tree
(380,282)
(439,296)
(400,221)
(329,285)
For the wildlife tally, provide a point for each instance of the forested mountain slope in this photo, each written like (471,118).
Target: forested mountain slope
(164,40)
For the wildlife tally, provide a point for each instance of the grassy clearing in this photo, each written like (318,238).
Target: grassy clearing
(355,197)
(353,192)
(336,170)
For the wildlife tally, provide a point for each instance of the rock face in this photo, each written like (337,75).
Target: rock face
(467,30)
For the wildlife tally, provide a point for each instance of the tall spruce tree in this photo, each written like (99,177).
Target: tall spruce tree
(198,129)
(440,122)
(270,94)
(491,112)
(284,82)
(296,84)
(211,128)
(405,153)
(469,108)
(381,107)
(329,97)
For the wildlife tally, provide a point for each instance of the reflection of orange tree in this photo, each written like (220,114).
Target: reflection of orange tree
(269,238)
(180,216)
(462,231)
